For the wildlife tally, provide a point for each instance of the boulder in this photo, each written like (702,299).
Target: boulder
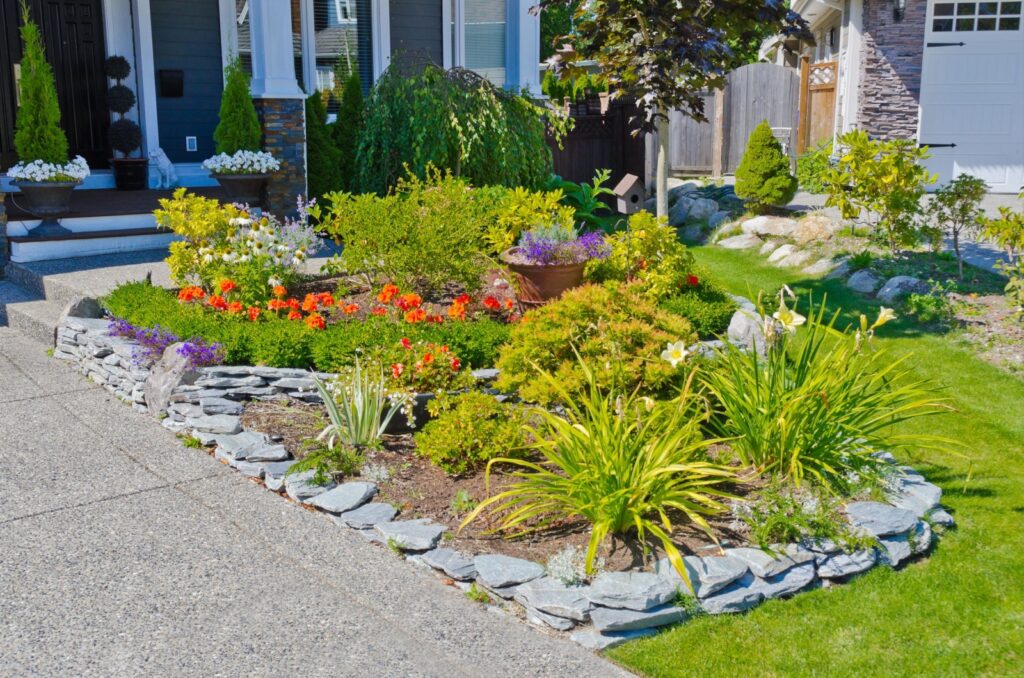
(900,286)
(613,619)
(170,371)
(764,225)
(846,564)
(497,571)
(83,307)
(841,270)
(451,562)
(693,233)
(745,241)
(344,497)
(815,227)
(879,520)
(631,590)
(679,211)
(746,329)
(820,267)
(795,259)
(863,281)
(368,515)
(769,247)
(677,192)
(719,218)
(412,535)
(764,565)
(551,596)
(702,209)
(736,597)
(707,575)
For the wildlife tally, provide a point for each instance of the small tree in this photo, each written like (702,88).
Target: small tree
(1007,231)
(346,128)
(323,159)
(955,210)
(664,55)
(239,126)
(38,135)
(763,179)
(125,134)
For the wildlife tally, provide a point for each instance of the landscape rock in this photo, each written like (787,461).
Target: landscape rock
(268,453)
(769,247)
(765,225)
(781,253)
(879,520)
(230,382)
(863,281)
(820,267)
(612,619)
(677,192)
(702,209)
(740,242)
(815,228)
(220,406)
(707,575)
(787,583)
(412,535)
(841,270)
(238,445)
(694,233)
(719,218)
(921,538)
(368,515)
(940,517)
(451,562)
(794,259)
(900,286)
(215,423)
(345,497)
(679,211)
(847,564)
(274,473)
(498,571)
(736,597)
(83,307)
(551,596)
(249,469)
(766,565)
(295,384)
(300,486)
(539,618)
(595,640)
(632,590)
(746,329)
(913,493)
(170,371)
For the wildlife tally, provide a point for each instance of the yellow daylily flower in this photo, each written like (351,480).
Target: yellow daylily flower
(884,316)
(675,353)
(790,320)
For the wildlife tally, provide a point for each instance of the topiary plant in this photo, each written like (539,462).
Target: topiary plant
(323,159)
(125,135)
(763,178)
(38,134)
(239,126)
(346,128)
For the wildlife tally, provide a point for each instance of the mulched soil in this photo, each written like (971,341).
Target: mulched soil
(989,326)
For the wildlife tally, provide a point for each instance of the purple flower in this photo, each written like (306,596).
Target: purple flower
(198,353)
(542,249)
(150,342)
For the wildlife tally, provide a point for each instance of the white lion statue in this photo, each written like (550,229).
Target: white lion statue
(168,177)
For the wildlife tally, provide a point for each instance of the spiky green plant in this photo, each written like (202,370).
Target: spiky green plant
(239,126)
(38,135)
(357,407)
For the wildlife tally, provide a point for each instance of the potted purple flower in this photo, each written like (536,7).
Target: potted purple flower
(550,259)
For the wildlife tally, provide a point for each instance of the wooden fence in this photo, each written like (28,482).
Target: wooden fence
(599,141)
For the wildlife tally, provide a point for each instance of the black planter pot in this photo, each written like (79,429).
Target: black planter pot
(244,188)
(47,200)
(130,174)
(399,423)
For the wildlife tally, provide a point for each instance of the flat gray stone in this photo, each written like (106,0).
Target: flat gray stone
(486,374)
(847,564)
(230,382)
(879,520)
(300,486)
(913,493)
(220,406)
(237,445)
(940,517)
(544,619)
(708,574)
(503,592)
(632,590)
(451,562)
(250,469)
(294,384)
(781,253)
(549,595)
(740,242)
(736,597)
(274,473)
(789,582)
(763,564)
(614,619)
(344,497)
(498,571)
(821,546)
(595,640)
(368,515)
(412,535)
(900,286)
(863,281)
(268,453)
(216,423)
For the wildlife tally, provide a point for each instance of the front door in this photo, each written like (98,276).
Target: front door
(72,33)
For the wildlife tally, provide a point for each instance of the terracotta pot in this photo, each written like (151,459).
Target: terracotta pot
(130,174)
(539,284)
(47,200)
(244,188)
(399,424)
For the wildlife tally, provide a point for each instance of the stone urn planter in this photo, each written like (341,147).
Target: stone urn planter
(130,174)
(47,200)
(399,423)
(539,283)
(244,188)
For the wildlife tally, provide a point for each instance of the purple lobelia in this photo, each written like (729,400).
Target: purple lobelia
(552,246)
(151,342)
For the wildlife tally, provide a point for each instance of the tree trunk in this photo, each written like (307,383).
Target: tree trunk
(959,259)
(661,181)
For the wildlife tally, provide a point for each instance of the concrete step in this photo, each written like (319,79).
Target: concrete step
(32,315)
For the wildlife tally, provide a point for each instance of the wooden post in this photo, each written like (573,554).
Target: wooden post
(718,136)
(803,114)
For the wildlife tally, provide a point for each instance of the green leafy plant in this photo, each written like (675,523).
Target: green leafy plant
(616,460)
(238,128)
(468,430)
(934,307)
(463,502)
(782,515)
(811,167)
(341,460)
(861,260)
(816,409)
(346,130)
(1007,231)
(763,178)
(956,210)
(37,131)
(707,306)
(585,199)
(512,212)
(323,158)
(125,134)
(477,594)
(357,407)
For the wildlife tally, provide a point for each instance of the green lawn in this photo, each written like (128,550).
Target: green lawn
(959,611)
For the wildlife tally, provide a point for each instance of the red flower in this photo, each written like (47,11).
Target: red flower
(188,294)
(444,348)
(325,299)
(416,315)
(428,358)
(235,307)
(280,291)
(254,313)
(310,303)
(509,304)
(217,302)
(492,303)
(349,309)
(457,311)
(294,315)
(397,369)
(692,280)
(435,319)
(456,364)
(293,304)
(462,299)
(379,310)
(406,344)
(227,285)
(315,321)
(277,305)
(409,301)
(387,294)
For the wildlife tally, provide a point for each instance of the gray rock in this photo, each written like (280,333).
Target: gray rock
(841,270)
(746,330)
(708,348)
(268,453)
(766,565)
(345,497)
(632,590)
(184,410)
(368,515)
(821,546)
(171,371)
(544,619)
(863,281)
(707,575)
(250,469)
(412,535)
(694,233)
(900,286)
(921,538)
(274,473)
(719,218)
(595,640)
(294,384)
(551,596)
(682,190)
(679,211)
(795,259)
(96,326)
(451,562)
(913,493)
(612,619)
(300,486)
(899,547)
(220,406)
(744,303)
(772,226)
(173,426)
(740,242)
(215,423)
(230,382)
(702,209)
(940,517)
(820,267)
(238,445)
(781,253)
(769,247)
(846,564)
(498,571)
(787,583)
(503,592)
(489,374)
(736,597)
(879,520)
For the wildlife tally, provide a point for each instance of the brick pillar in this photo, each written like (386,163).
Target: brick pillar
(3,235)
(284,136)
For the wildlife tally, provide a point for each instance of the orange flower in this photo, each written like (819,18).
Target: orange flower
(280,291)
(428,358)
(457,311)
(254,312)
(325,299)
(387,294)
(492,303)
(227,285)
(277,305)
(435,319)
(445,349)
(294,315)
(315,321)
(408,301)
(456,364)
(217,302)
(397,369)
(235,307)
(379,310)
(416,315)
(406,344)
(293,304)
(187,294)
(349,309)
(309,304)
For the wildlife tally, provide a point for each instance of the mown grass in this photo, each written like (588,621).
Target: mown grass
(959,611)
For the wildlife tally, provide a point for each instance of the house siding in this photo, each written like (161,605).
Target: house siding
(186,37)
(891,69)
(416,29)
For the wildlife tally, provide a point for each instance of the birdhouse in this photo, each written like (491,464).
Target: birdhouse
(630,194)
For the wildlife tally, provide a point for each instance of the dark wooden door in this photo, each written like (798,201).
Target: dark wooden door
(72,33)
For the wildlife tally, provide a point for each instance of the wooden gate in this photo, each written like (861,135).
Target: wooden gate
(817,101)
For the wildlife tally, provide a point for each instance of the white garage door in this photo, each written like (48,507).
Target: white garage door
(972,91)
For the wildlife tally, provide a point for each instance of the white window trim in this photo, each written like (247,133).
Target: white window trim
(380,27)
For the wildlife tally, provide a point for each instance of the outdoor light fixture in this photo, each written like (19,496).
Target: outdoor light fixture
(899,9)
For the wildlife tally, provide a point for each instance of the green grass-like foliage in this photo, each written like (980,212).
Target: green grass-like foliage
(468,430)
(357,407)
(38,134)
(323,159)
(763,179)
(239,126)
(816,407)
(811,167)
(616,460)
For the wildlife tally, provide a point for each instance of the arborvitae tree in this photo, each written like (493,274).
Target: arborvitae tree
(239,126)
(763,178)
(38,135)
(323,159)
(345,129)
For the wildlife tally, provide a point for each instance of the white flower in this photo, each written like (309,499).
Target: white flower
(790,320)
(675,353)
(38,171)
(240,221)
(242,162)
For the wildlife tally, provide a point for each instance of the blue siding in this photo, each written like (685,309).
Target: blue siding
(416,30)
(186,36)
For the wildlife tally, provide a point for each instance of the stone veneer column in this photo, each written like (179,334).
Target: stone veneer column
(890,77)
(284,135)
(3,235)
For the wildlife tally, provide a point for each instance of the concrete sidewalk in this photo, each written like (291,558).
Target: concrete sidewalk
(122,552)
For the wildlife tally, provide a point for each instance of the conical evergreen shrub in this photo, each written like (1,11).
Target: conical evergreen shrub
(323,159)
(346,128)
(239,126)
(763,178)
(38,135)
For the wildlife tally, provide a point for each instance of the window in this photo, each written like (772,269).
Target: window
(976,16)
(479,37)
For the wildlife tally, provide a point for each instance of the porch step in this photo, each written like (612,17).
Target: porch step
(33,316)
(27,249)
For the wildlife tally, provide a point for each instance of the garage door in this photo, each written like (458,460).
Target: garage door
(972,91)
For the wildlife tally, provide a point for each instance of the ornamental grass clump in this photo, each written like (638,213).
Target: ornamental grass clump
(626,464)
(358,408)
(817,407)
